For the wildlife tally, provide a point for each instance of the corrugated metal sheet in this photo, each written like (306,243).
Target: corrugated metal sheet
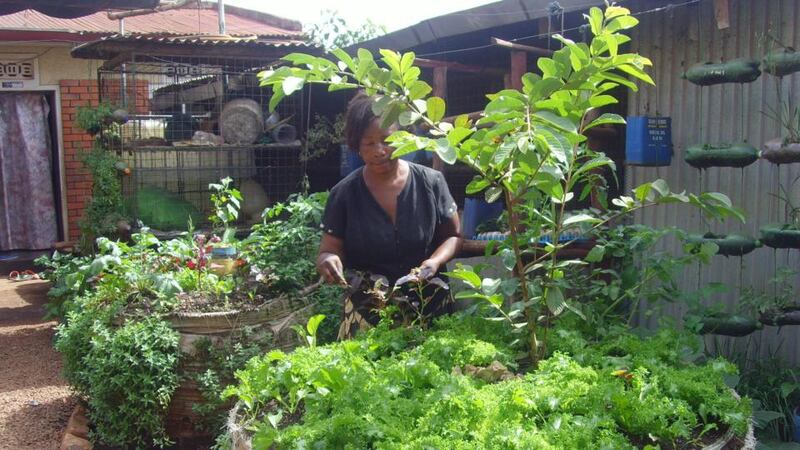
(176,22)
(675,39)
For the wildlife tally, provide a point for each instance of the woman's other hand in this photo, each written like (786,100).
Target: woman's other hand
(329,265)
(329,261)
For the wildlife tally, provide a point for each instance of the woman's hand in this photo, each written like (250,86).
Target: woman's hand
(329,265)
(428,268)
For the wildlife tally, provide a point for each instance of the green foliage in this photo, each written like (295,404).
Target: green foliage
(105,208)
(323,136)
(775,390)
(227,201)
(94,118)
(332,31)
(221,361)
(284,245)
(529,147)
(127,374)
(367,394)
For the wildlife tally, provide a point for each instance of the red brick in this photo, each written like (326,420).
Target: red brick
(68,83)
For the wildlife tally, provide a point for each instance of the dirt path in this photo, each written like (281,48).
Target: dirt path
(35,402)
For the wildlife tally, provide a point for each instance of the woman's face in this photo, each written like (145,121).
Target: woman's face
(375,151)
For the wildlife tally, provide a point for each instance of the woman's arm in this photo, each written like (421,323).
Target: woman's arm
(329,259)
(449,234)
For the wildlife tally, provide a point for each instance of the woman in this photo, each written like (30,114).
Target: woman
(386,218)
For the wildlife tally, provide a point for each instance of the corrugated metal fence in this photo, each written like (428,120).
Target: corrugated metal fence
(674,39)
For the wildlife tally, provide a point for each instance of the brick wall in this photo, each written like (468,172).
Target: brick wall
(78,181)
(76,93)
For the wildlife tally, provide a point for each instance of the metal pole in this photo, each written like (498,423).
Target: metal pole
(221,15)
(124,76)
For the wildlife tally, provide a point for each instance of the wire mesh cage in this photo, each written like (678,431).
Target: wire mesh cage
(193,121)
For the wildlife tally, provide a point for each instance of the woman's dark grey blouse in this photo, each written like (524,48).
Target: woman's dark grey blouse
(371,241)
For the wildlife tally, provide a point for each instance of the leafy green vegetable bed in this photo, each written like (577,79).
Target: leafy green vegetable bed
(397,389)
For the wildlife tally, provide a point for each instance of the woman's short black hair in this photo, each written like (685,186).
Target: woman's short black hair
(358,118)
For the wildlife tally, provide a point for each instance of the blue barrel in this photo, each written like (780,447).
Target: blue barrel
(476,212)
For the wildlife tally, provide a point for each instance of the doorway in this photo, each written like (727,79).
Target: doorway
(29,185)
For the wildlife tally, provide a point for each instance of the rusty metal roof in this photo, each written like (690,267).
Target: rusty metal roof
(252,46)
(183,21)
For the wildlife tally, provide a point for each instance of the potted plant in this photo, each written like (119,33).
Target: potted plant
(227,201)
(786,149)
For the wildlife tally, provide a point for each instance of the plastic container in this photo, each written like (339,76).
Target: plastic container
(648,141)
(476,212)
(223,260)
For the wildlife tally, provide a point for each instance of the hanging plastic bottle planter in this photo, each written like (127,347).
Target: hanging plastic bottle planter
(781,62)
(741,70)
(786,235)
(781,151)
(702,156)
(781,317)
(725,324)
(729,245)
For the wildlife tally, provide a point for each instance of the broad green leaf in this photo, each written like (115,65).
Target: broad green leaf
(492,194)
(476,185)
(457,135)
(598,101)
(345,58)
(636,72)
(408,118)
(392,59)
(313,323)
(291,84)
(277,96)
(580,218)
(419,89)
(605,118)
(446,152)
(406,61)
(490,285)
(555,300)
(555,120)
(508,258)
(496,300)
(596,254)
(436,108)
(621,23)
(613,11)
(595,19)
(467,275)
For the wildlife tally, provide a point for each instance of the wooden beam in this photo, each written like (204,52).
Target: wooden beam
(519,65)
(722,14)
(138,12)
(522,47)
(458,67)
(116,61)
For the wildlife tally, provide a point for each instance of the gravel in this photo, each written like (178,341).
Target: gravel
(35,401)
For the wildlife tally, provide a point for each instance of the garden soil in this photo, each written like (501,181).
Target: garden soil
(35,401)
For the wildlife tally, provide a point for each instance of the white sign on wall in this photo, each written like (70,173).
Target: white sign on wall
(18,71)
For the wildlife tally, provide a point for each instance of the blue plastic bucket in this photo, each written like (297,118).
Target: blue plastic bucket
(476,212)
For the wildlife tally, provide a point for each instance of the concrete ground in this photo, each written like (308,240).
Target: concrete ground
(35,401)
